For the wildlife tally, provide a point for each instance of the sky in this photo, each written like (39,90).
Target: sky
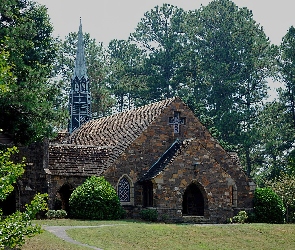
(116,19)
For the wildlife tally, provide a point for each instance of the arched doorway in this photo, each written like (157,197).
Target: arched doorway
(65,193)
(193,201)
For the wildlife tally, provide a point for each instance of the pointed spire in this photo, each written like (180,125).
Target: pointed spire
(80,65)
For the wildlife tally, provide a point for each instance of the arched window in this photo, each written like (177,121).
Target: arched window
(148,194)
(124,190)
(234,195)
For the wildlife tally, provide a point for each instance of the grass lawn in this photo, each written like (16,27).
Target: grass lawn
(48,241)
(140,235)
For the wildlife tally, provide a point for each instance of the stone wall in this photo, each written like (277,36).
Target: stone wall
(199,160)
(208,175)
(33,180)
(56,182)
(65,163)
(69,165)
(203,161)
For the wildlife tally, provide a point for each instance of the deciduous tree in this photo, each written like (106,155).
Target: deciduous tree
(275,135)
(126,78)
(284,187)
(286,67)
(234,57)
(27,109)
(157,34)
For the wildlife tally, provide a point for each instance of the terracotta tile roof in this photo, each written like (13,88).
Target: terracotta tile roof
(68,159)
(109,131)
(120,130)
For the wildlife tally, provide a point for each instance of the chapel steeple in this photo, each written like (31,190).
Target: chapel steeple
(80,65)
(79,97)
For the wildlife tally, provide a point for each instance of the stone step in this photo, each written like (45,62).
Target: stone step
(195,220)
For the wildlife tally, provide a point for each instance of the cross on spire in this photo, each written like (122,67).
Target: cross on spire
(176,121)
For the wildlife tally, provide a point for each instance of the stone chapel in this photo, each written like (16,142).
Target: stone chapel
(157,156)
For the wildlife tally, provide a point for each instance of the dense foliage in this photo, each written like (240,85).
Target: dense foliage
(268,206)
(286,68)
(235,58)
(28,110)
(56,214)
(241,217)
(26,100)
(14,228)
(9,172)
(95,199)
(284,187)
(149,214)
(6,77)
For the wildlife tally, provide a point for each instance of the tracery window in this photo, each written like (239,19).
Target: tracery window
(124,190)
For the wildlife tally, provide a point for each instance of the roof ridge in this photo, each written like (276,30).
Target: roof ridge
(169,100)
(87,127)
(119,130)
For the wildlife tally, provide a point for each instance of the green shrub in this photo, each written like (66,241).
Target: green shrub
(56,214)
(164,218)
(241,217)
(95,199)
(149,214)
(251,217)
(268,206)
(17,227)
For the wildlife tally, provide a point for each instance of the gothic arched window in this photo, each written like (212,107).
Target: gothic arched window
(124,190)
